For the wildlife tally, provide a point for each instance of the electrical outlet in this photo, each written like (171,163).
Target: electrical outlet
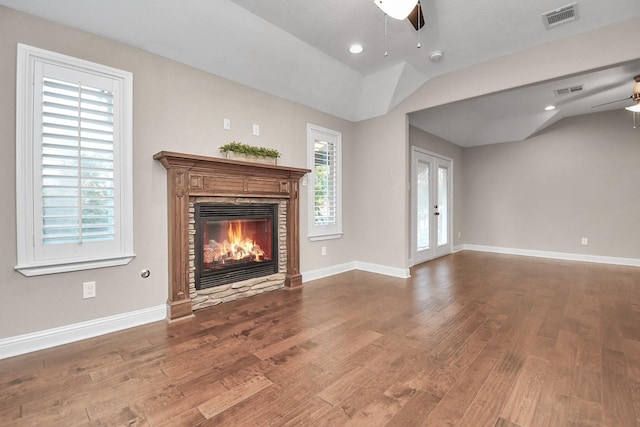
(226,124)
(584,241)
(256,130)
(324,250)
(89,290)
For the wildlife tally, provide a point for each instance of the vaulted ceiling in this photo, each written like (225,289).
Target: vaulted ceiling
(298,50)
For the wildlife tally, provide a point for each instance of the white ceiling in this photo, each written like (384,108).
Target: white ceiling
(297,49)
(516,114)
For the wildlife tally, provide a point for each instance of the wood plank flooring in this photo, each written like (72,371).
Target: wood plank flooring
(472,339)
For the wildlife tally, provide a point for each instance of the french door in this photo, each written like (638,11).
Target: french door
(431,206)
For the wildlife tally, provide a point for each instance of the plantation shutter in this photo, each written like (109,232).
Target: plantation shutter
(74,176)
(325,193)
(77,175)
(326,183)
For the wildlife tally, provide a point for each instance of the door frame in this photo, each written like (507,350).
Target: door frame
(448,248)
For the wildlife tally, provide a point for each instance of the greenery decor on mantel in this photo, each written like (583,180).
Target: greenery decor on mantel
(239,151)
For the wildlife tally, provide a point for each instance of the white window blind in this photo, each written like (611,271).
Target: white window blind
(77,163)
(326,183)
(325,215)
(74,164)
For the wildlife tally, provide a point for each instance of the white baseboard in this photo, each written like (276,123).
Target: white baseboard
(457,248)
(40,340)
(556,255)
(320,273)
(402,273)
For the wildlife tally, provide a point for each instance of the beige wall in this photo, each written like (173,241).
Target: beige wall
(436,145)
(176,108)
(578,178)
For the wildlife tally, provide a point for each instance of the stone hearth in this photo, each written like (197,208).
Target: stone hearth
(190,178)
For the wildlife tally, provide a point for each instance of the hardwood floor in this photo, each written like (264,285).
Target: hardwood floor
(472,339)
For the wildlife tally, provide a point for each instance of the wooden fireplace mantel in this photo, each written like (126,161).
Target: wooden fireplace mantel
(195,176)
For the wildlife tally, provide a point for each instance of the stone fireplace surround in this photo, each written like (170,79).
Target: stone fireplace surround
(240,289)
(191,178)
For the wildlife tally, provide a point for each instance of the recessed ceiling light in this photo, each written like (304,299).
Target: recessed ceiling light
(549,107)
(356,48)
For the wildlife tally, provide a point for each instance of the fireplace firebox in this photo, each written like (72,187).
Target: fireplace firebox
(234,243)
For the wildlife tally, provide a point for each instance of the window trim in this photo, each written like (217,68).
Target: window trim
(315,232)
(27,262)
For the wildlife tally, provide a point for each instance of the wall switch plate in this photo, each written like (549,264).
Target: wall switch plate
(324,250)
(89,290)
(227,124)
(256,130)
(584,241)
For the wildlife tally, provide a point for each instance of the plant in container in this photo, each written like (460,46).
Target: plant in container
(239,151)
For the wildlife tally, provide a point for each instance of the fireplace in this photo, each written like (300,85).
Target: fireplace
(234,243)
(194,179)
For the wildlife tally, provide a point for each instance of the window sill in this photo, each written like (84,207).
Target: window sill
(40,270)
(318,237)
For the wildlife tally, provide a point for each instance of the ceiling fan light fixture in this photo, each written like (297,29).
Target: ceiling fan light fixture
(397,9)
(635,96)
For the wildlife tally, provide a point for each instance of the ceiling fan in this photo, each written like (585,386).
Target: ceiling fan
(403,9)
(635,96)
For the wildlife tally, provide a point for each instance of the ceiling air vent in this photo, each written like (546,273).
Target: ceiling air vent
(568,90)
(559,16)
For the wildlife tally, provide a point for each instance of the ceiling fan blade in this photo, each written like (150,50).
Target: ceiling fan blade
(611,102)
(416,18)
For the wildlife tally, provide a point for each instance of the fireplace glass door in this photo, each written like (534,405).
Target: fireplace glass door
(234,243)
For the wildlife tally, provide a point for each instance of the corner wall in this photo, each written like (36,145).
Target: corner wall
(381,199)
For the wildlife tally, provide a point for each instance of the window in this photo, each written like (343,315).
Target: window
(73,165)
(325,202)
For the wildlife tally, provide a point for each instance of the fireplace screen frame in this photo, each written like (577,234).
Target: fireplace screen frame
(229,212)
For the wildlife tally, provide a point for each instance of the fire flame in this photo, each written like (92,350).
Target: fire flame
(236,247)
(240,247)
